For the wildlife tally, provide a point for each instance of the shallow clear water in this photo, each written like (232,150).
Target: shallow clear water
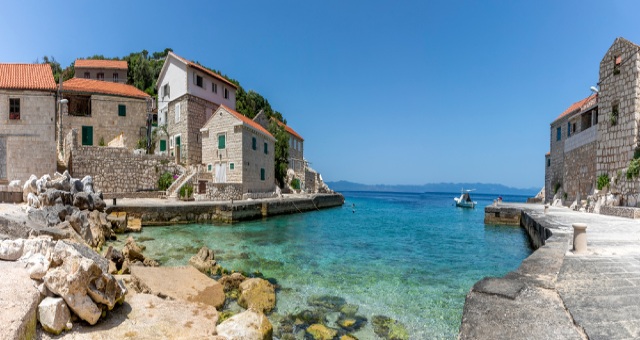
(412,257)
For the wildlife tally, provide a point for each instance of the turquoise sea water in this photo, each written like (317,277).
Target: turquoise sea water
(411,257)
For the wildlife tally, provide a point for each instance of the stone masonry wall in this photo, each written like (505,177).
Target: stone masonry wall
(580,171)
(118,170)
(106,122)
(617,142)
(222,192)
(223,123)
(193,113)
(554,173)
(28,143)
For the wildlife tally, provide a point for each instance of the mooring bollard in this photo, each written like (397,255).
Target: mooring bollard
(579,238)
(546,208)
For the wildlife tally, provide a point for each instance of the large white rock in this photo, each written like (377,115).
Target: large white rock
(248,325)
(54,315)
(38,265)
(11,250)
(29,187)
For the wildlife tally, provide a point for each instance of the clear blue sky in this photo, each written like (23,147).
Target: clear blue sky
(393,92)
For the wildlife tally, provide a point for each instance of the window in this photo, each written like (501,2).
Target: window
(614,114)
(115,77)
(266,149)
(122,110)
(568,130)
(232,166)
(558,133)
(548,162)
(616,64)
(87,75)
(14,108)
(79,105)
(221,142)
(209,167)
(197,80)
(87,135)
(177,112)
(100,76)
(166,90)
(171,142)
(226,93)
(262,174)
(254,143)
(214,87)
(163,145)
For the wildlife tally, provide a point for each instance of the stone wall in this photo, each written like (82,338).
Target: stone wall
(27,145)
(580,171)
(554,173)
(118,170)
(106,122)
(194,112)
(221,192)
(618,140)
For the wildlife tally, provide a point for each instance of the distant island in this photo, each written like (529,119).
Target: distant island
(481,188)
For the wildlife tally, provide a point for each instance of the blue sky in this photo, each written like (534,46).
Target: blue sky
(393,92)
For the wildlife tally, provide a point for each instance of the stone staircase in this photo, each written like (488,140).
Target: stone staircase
(186,176)
(61,166)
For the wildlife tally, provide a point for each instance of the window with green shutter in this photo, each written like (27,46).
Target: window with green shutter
(209,167)
(221,142)
(122,110)
(163,145)
(254,143)
(262,174)
(231,166)
(266,150)
(87,135)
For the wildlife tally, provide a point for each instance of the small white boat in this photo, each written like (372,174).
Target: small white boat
(464,201)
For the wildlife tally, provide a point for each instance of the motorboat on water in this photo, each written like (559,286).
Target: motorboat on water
(465,201)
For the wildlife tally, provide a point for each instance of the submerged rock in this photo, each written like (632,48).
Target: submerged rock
(388,328)
(232,282)
(204,261)
(321,332)
(326,301)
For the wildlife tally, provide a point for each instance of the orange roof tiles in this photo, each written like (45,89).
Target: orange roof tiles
(27,77)
(95,63)
(289,130)
(102,87)
(205,70)
(247,120)
(575,106)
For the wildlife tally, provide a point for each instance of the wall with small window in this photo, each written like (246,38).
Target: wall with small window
(27,127)
(104,74)
(209,88)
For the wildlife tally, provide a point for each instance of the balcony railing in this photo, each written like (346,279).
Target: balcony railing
(581,138)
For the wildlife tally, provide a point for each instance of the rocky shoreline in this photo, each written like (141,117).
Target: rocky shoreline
(73,288)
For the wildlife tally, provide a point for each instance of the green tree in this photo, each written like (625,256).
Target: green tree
(281,151)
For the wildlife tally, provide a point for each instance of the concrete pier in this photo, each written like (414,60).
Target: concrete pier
(163,211)
(559,294)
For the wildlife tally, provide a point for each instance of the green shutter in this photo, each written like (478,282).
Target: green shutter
(262,174)
(122,110)
(163,145)
(231,166)
(177,140)
(254,143)
(266,150)
(221,142)
(87,135)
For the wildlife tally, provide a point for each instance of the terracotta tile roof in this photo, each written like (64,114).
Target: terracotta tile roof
(575,106)
(548,154)
(102,87)
(289,130)
(204,70)
(94,63)
(246,120)
(27,77)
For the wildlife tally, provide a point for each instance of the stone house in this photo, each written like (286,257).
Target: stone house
(236,149)
(102,111)
(599,135)
(296,144)
(188,94)
(106,70)
(27,121)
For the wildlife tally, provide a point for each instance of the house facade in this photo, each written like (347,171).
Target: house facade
(188,94)
(102,111)
(236,149)
(27,121)
(598,136)
(105,70)
(296,160)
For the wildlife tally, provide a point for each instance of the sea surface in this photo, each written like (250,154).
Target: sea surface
(411,257)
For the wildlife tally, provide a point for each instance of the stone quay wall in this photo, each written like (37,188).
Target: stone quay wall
(198,212)
(580,171)
(119,170)
(221,192)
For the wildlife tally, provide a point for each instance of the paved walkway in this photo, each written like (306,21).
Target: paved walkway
(556,294)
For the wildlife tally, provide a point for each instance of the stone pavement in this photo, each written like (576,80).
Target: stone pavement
(556,294)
